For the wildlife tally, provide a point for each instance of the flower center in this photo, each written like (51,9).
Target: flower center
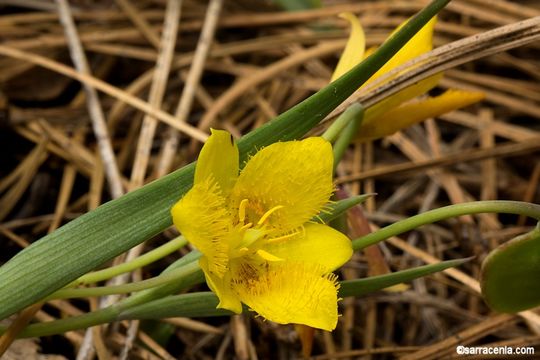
(253,236)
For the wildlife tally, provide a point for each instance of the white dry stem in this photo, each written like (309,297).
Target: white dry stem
(157,91)
(107,88)
(92,100)
(183,109)
(140,22)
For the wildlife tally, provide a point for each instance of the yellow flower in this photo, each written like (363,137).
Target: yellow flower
(253,228)
(392,114)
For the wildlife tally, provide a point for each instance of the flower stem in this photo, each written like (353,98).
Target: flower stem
(495,206)
(173,275)
(136,263)
(356,113)
(98,317)
(353,112)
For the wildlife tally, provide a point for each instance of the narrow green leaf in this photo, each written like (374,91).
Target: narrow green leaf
(201,304)
(83,321)
(204,304)
(364,286)
(143,260)
(511,274)
(98,236)
(171,288)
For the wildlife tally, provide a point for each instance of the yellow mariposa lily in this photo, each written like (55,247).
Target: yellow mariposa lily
(253,228)
(395,113)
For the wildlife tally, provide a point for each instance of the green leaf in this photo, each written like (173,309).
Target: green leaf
(200,304)
(511,274)
(113,228)
(364,286)
(203,304)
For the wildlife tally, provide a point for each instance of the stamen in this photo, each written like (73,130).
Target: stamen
(268,213)
(267,256)
(247,226)
(281,238)
(242,210)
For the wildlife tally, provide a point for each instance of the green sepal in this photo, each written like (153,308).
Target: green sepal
(510,275)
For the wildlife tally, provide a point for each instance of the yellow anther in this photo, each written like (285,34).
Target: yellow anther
(267,256)
(246,226)
(268,213)
(281,238)
(243,250)
(242,210)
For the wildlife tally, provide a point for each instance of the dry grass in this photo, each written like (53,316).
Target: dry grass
(259,63)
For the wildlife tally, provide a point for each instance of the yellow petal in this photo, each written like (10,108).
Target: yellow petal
(219,160)
(202,217)
(354,50)
(400,97)
(319,244)
(291,179)
(409,114)
(222,288)
(420,43)
(289,292)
